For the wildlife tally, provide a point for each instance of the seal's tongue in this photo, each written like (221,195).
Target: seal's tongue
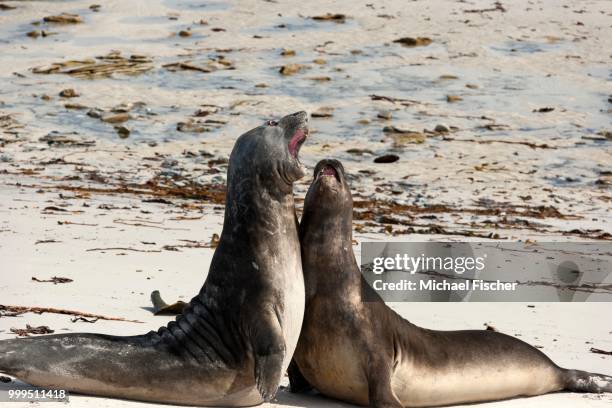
(296,142)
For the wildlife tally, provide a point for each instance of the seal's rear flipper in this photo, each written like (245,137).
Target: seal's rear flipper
(55,361)
(162,308)
(582,381)
(9,361)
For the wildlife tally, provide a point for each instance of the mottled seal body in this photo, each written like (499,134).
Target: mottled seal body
(365,353)
(235,339)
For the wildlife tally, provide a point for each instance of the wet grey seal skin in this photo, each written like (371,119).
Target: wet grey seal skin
(234,341)
(365,353)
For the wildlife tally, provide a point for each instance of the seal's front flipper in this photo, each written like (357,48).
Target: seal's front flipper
(269,353)
(380,392)
(297,382)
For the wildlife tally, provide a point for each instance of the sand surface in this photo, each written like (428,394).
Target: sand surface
(527,153)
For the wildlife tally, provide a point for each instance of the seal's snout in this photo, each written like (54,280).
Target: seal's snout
(301,116)
(329,168)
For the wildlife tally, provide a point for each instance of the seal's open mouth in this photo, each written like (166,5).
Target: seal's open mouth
(328,171)
(296,141)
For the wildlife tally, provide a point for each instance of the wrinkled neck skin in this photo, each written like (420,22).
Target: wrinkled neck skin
(257,209)
(328,259)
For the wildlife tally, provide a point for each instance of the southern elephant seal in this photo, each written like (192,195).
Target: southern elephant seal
(235,339)
(365,353)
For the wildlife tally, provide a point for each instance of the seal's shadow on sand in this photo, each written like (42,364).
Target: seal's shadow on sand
(308,400)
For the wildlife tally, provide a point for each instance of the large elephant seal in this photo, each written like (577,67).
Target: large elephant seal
(235,339)
(365,353)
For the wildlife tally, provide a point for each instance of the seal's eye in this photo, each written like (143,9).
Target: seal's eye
(272,123)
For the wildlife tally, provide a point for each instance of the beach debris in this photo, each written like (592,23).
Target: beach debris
(290,69)
(490,327)
(162,308)
(386,158)
(184,33)
(360,152)
(497,6)
(441,129)
(187,66)
(320,78)
(494,126)
(123,132)
(214,240)
(127,107)
(319,61)
(545,109)
(525,143)
(95,113)
(4,379)
(69,93)
(405,102)
(55,138)
(115,117)
(414,41)
(32,330)
(159,186)
(8,125)
(385,114)
(213,64)
(95,7)
(397,129)
(83,319)
(4,7)
(194,126)
(36,34)
(402,136)
(401,139)
(472,86)
(75,106)
(447,77)
(453,98)
(335,17)
(323,112)
(599,351)
(64,18)
(286,52)
(55,280)
(206,110)
(54,209)
(100,66)
(48,241)
(605,133)
(127,248)
(18,310)
(78,223)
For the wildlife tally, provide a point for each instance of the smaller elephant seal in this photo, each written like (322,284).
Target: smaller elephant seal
(366,354)
(234,340)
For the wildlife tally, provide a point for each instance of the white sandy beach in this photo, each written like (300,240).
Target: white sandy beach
(527,154)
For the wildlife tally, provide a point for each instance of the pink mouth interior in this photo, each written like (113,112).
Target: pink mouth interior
(328,171)
(294,143)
